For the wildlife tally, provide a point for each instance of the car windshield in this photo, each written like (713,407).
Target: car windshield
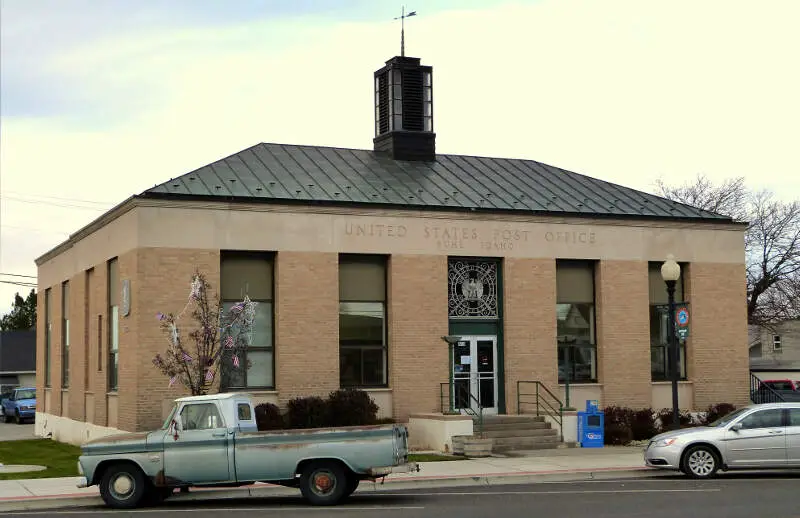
(26,394)
(169,418)
(726,419)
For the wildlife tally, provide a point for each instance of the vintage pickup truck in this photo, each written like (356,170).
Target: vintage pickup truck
(213,440)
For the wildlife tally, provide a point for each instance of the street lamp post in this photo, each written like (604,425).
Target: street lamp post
(671,272)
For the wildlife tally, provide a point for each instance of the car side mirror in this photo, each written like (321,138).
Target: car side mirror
(736,427)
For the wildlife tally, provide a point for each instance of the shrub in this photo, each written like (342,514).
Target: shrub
(714,412)
(643,424)
(665,419)
(307,412)
(351,407)
(617,435)
(268,417)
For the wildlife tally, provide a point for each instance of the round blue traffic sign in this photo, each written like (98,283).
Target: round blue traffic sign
(682,317)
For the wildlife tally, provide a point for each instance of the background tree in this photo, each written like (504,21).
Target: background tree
(23,314)
(772,242)
(216,338)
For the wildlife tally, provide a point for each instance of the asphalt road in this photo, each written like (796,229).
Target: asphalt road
(728,497)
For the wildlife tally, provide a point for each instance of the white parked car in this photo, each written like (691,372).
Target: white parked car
(765,436)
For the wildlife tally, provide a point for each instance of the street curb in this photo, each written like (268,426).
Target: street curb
(366,488)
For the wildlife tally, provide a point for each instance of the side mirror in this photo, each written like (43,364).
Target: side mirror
(736,427)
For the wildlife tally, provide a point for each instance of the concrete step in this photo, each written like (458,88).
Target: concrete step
(525,443)
(534,432)
(502,427)
(512,419)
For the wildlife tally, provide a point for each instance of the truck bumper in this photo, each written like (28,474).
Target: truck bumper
(408,467)
(82,483)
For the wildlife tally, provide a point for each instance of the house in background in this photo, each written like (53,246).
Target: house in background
(17,359)
(775,350)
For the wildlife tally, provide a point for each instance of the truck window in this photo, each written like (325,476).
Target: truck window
(244,412)
(200,416)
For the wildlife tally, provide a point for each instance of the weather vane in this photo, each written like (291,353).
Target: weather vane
(402,19)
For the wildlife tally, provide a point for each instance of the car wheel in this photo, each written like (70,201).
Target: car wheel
(123,486)
(18,418)
(700,462)
(324,483)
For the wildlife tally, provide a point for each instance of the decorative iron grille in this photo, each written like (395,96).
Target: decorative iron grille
(472,287)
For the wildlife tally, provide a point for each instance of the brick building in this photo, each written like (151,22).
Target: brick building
(362,260)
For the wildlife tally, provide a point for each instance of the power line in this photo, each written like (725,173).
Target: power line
(24,284)
(28,195)
(18,275)
(32,229)
(52,203)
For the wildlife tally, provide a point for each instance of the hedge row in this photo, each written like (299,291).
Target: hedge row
(625,425)
(343,407)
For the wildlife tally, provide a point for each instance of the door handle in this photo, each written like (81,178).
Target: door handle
(775,431)
(217,434)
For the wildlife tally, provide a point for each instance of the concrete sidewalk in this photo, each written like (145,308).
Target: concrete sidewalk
(538,466)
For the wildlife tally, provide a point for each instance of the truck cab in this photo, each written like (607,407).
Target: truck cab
(20,405)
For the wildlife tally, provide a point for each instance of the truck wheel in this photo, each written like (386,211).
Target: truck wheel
(324,483)
(123,486)
(352,485)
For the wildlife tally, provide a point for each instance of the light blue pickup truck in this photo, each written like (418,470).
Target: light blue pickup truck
(213,441)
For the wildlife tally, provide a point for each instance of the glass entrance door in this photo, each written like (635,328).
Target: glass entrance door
(475,374)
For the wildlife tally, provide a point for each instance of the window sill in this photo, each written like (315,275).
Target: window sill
(581,383)
(113,393)
(377,388)
(681,381)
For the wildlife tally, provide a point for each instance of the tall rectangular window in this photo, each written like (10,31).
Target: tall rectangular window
(575,321)
(113,324)
(362,321)
(48,327)
(65,334)
(87,321)
(250,274)
(660,363)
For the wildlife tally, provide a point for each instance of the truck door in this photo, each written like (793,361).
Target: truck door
(197,451)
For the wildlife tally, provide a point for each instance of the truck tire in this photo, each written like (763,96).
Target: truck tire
(123,486)
(352,485)
(324,483)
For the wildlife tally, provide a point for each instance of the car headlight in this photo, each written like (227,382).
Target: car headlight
(665,442)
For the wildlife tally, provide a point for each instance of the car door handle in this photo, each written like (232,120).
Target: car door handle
(775,431)
(218,434)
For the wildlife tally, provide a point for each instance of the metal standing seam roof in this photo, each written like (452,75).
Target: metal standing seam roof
(328,175)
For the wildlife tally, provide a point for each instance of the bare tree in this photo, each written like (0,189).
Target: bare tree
(219,339)
(772,242)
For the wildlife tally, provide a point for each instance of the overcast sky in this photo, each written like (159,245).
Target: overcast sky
(100,100)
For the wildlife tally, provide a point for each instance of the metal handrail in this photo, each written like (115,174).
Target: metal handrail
(763,393)
(552,406)
(469,410)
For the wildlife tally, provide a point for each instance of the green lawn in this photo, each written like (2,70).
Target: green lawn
(61,459)
(432,457)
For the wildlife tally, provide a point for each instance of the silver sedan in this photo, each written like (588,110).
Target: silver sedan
(765,436)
